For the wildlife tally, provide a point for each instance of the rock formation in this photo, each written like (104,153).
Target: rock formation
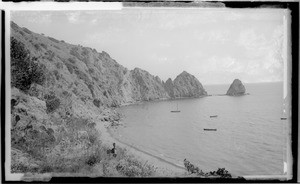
(236,88)
(146,87)
(184,85)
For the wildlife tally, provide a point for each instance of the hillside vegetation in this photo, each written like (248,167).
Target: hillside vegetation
(57,91)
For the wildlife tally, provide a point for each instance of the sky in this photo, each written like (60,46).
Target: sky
(215,45)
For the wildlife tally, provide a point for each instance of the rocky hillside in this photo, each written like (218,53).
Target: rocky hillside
(95,77)
(184,85)
(236,88)
(60,92)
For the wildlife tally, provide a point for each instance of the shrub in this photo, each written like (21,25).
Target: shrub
(59,65)
(37,47)
(74,52)
(72,60)
(56,73)
(53,39)
(50,54)
(81,75)
(192,169)
(131,167)
(95,78)
(91,88)
(85,51)
(91,70)
(44,45)
(52,104)
(70,67)
(26,30)
(56,47)
(97,102)
(24,71)
(22,33)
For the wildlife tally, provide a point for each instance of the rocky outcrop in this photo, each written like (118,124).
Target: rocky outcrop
(146,87)
(184,85)
(236,88)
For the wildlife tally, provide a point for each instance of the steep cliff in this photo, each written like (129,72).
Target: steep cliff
(146,87)
(236,88)
(184,85)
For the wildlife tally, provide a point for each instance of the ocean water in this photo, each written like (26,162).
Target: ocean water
(250,137)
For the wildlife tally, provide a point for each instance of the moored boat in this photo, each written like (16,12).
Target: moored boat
(210,129)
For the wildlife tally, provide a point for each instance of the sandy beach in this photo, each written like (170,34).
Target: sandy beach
(163,168)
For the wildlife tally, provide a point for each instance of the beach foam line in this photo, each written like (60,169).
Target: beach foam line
(149,154)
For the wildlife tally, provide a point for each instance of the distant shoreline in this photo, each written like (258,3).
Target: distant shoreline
(161,99)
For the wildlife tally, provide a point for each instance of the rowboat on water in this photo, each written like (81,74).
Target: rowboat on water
(210,129)
(214,116)
(283,118)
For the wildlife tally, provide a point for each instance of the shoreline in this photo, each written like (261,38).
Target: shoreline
(161,100)
(145,152)
(163,167)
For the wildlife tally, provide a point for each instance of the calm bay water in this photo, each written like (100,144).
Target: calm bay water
(250,137)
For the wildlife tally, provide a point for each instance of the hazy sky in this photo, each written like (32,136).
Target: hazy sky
(215,45)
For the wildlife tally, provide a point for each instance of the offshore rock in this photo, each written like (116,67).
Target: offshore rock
(236,88)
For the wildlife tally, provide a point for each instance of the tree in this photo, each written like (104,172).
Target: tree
(24,71)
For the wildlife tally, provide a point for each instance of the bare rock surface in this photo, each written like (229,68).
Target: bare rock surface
(236,88)
(184,85)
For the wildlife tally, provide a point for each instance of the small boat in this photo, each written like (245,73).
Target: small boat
(214,116)
(210,129)
(176,109)
(283,118)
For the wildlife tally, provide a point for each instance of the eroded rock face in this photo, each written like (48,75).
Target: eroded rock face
(184,85)
(146,87)
(236,88)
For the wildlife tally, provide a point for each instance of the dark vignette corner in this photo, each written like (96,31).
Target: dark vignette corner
(2,94)
(294,7)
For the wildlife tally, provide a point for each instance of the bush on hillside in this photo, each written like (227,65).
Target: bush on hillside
(91,70)
(52,103)
(72,60)
(56,74)
(44,45)
(26,31)
(83,76)
(97,102)
(37,47)
(55,46)
(50,54)
(85,51)
(70,67)
(53,39)
(24,71)
(74,52)
(192,169)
